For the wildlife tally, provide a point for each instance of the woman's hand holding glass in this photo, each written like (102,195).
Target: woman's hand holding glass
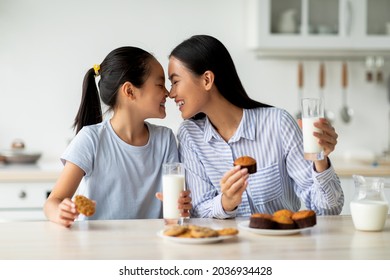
(184,203)
(327,140)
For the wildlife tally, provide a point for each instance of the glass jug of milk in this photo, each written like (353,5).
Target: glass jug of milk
(369,206)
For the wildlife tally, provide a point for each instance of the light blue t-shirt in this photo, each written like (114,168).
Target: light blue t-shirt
(121,178)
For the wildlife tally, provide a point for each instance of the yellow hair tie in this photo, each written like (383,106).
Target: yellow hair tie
(96,67)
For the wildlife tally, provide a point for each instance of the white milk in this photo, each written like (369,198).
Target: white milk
(369,215)
(310,142)
(173,185)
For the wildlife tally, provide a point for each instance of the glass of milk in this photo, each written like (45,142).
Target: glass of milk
(312,111)
(173,184)
(369,207)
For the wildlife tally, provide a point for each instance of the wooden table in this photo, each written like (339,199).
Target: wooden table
(333,238)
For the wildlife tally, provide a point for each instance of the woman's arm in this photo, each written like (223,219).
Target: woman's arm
(317,184)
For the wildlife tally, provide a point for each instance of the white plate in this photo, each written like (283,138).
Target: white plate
(195,240)
(245,226)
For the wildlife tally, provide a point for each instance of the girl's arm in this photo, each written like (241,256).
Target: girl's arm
(59,207)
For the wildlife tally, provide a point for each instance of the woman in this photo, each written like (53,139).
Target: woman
(223,123)
(120,158)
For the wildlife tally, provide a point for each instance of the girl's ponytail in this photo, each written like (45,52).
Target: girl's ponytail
(90,110)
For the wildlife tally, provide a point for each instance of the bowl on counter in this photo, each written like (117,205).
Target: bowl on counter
(18,154)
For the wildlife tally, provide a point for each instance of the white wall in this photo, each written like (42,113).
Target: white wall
(46,46)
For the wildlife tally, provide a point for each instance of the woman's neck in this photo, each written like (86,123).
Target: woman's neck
(225,117)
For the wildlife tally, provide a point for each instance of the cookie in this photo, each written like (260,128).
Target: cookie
(227,231)
(203,232)
(84,205)
(185,234)
(175,230)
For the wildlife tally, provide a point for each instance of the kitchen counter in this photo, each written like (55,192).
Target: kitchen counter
(334,237)
(346,168)
(40,172)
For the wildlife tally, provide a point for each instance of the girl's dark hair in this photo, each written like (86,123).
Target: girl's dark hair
(120,65)
(201,53)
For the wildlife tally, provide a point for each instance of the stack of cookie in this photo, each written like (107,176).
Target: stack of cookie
(193,231)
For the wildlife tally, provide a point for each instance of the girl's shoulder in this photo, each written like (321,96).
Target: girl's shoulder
(94,130)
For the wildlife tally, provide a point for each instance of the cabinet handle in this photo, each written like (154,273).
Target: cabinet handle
(22,194)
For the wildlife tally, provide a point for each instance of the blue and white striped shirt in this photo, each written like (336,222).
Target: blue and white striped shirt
(283,177)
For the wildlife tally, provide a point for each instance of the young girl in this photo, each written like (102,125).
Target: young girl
(120,158)
(223,123)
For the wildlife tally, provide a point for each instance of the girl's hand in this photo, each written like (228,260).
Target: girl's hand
(233,184)
(67,213)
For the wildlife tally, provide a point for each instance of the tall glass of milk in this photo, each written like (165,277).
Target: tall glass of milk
(312,111)
(369,206)
(173,184)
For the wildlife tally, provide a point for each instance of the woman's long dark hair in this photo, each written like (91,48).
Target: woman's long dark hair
(201,53)
(125,64)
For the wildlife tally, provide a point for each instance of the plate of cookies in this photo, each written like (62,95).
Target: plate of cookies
(193,234)
(281,222)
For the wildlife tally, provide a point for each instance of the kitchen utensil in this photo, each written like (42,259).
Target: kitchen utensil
(387,152)
(329,115)
(369,67)
(379,62)
(298,114)
(388,88)
(18,154)
(346,112)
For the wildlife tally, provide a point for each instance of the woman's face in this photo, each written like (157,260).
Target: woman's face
(187,89)
(153,92)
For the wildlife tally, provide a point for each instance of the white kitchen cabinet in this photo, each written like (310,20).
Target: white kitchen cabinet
(23,200)
(314,27)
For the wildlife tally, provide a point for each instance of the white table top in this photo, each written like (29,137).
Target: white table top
(334,237)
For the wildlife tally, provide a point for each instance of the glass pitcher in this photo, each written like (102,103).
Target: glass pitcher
(369,205)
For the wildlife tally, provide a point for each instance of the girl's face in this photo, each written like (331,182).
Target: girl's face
(153,93)
(187,89)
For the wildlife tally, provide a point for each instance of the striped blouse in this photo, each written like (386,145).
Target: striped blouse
(283,177)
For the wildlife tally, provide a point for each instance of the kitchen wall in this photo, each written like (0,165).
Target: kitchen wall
(46,46)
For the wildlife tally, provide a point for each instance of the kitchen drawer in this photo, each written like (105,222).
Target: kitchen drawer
(24,195)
